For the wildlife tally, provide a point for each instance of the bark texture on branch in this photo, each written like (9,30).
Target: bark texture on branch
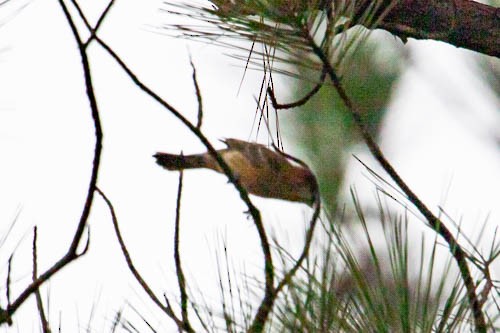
(462,23)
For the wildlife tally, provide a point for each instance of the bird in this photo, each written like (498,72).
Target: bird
(260,170)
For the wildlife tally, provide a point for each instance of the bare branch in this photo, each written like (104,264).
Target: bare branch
(307,245)
(145,286)
(98,134)
(39,303)
(7,283)
(181,280)
(102,17)
(301,101)
(72,253)
(5,316)
(92,30)
(462,23)
(198,96)
(81,14)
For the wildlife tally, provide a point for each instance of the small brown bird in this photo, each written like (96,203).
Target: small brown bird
(261,171)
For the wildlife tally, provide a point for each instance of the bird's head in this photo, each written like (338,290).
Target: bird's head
(304,186)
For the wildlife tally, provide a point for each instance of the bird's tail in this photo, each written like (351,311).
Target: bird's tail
(180,162)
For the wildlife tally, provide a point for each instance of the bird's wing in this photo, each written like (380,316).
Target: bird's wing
(258,155)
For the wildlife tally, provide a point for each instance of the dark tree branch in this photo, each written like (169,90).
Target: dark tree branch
(181,279)
(7,283)
(299,102)
(72,252)
(198,96)
(308,240)
(5,317)
(39,303)
(102,17)
(82,16)
(463,23)
(97,128)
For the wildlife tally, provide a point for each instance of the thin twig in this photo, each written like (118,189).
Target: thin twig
(181,280)
(145,286)
(5,316)
(7,283)
(198,96)
(98,133)
(104,14)
(456,250)
(301,101)
(307,244)
(82,16)
(39,303)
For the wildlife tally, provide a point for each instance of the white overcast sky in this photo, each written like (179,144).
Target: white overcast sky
(439,135)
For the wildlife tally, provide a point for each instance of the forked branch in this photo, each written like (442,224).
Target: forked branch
(72,252)
(167,309)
